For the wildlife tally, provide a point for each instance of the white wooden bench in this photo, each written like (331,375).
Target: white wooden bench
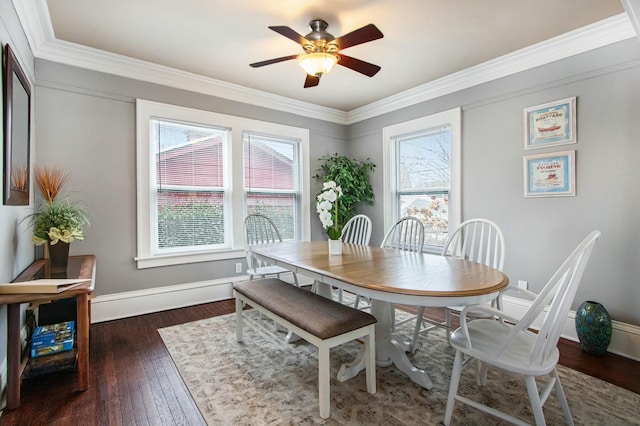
(320,321)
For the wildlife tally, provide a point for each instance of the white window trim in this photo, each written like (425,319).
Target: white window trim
(451,117)
(145,111)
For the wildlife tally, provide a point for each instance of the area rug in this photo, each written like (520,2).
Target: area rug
(264,381)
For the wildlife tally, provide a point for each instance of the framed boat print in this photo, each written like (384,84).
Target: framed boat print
(550,124)
(550,175)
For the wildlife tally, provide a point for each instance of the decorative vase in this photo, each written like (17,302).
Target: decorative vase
(593,325)
(58,256)
(335,247)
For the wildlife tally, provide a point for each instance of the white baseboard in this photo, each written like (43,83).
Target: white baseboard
(140,302)
(625,339)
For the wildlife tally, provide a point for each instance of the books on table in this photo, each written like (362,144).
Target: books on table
(51,339)
(53,286)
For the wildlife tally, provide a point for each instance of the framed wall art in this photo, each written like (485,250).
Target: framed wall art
(550,124)
(17,110)
(550,175)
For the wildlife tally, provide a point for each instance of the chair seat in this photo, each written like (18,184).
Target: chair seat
(457,309)
(488,336)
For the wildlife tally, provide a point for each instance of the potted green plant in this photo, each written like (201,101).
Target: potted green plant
(58,221)
(352,177)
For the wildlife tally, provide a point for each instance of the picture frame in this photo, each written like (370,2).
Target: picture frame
(17,121)
(550,175)
(550,124)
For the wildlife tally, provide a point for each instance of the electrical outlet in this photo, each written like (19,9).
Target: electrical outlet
(523,284)
(238,268)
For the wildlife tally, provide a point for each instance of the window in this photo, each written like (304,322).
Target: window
(422,174)
(190,192)
(199,174)
(271,180)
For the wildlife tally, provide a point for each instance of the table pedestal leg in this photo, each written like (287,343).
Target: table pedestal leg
(390,349)
(324,290)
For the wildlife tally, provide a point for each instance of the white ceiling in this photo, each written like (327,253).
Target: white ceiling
(424,40)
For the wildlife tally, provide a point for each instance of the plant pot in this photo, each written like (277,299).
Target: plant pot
(335,247)
(593,325)
(58,256)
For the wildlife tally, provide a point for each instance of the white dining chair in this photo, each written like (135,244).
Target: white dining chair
(406,234)
(477,240)
(259,229)
(510,345)
(357,231)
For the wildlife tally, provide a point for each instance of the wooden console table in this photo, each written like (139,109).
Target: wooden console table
(78,267)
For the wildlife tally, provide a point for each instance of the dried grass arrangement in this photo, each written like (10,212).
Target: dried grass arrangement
(50,181)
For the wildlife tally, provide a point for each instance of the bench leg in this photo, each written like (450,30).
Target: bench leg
(324,380)
(239,323)
(370,356)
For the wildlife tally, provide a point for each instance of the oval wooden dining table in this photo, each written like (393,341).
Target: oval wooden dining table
(388,276)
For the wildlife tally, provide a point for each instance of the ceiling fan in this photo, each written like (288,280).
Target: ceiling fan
(321,50)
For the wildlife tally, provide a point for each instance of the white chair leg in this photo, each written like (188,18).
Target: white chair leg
(370,356)
(357,301)
(562,399)
(482,369)
(323,381)
(534,397)
(417,329)
(239,323)
(453,387)
(447,320)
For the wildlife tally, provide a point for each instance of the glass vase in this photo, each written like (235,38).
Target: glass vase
(593,325)
(58,256)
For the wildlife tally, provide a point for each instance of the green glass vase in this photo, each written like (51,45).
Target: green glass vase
(593,325)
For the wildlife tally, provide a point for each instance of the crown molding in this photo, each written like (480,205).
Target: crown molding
(632,7)
(36,22)
(599,34)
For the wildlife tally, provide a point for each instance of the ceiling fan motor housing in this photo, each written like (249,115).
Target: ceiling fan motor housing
(320,40)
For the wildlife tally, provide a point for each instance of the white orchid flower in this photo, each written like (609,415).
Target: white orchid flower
(328,185)
(326,205)
(330,195)
(325,218)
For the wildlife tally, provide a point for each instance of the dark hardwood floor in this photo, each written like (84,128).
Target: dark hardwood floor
(133,380)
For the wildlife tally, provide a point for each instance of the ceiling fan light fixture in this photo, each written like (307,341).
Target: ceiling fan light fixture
(317,63)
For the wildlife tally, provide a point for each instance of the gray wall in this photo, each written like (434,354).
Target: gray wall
(541,232)
(85,122)
(16,250)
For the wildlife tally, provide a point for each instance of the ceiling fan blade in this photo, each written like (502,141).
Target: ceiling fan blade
(361,35)
(358,65)
(290,34)
(311,81)
(272,61)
